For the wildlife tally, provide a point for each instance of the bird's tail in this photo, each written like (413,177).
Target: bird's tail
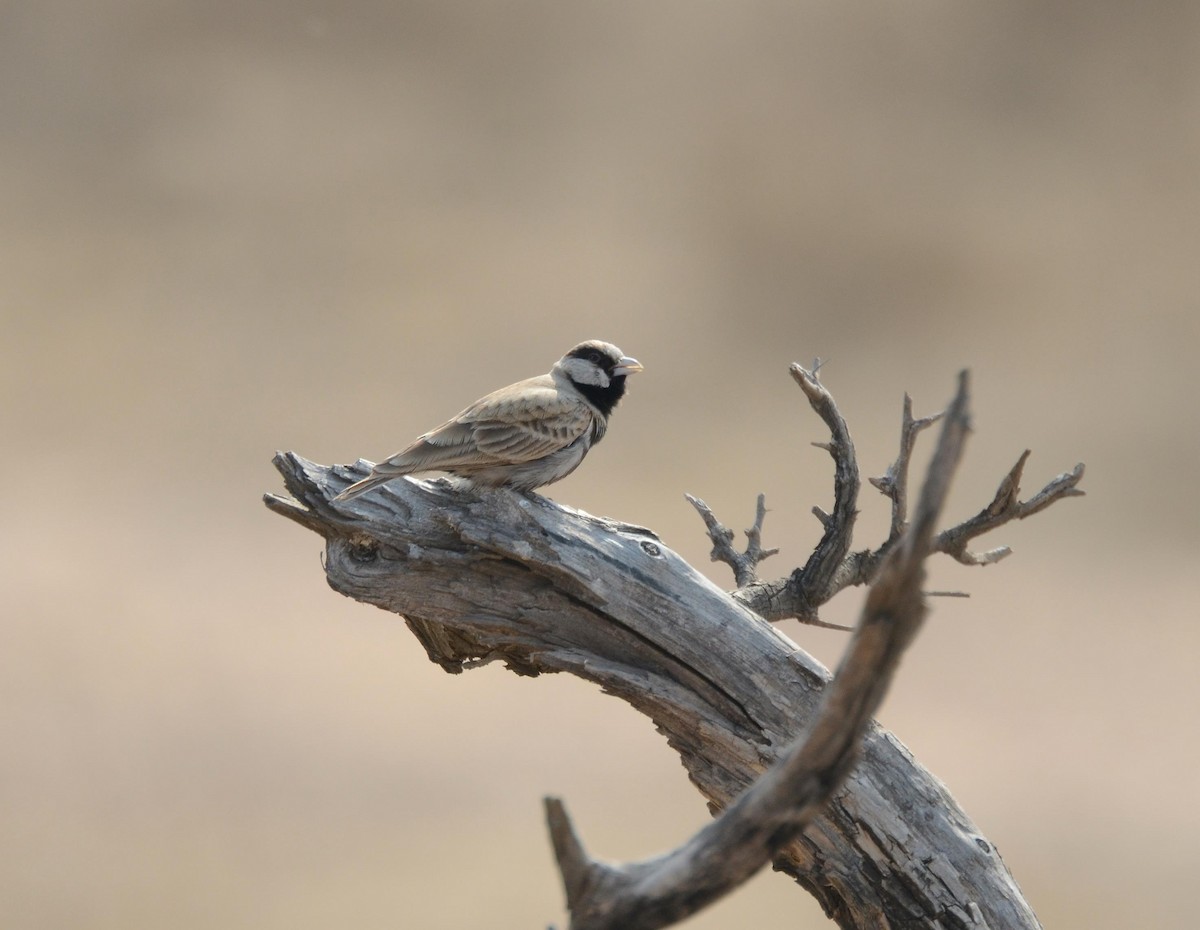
(372,480)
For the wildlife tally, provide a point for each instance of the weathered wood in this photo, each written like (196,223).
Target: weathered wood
(769,815)
(484,575)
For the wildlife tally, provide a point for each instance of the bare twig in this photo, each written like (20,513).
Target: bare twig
(833,566)
(744,564)
(894,483)
(1006,506)
(814,583)
(659,892)
(807,588)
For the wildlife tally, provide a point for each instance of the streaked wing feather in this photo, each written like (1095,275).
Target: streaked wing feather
(519,423)
(537,435)
(526,421)
(449,444)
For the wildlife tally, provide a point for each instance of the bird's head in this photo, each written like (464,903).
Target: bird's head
(598,369)
(597,363)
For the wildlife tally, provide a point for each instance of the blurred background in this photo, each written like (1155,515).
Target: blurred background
(228,228)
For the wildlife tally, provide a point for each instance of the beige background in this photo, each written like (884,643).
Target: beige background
(231,227)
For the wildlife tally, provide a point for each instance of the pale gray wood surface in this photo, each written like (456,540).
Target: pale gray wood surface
(493,575)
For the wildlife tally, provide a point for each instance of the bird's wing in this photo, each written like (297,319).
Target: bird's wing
(519,423)
(449,444)
(526,421)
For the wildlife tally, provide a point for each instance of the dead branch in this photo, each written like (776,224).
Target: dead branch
(833,566)
(486,575)
(776,808)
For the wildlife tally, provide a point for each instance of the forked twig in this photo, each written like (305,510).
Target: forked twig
(894,483)
(1004,507)
(745,563)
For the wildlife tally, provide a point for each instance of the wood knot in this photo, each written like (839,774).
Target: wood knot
(362,548)
(651,549)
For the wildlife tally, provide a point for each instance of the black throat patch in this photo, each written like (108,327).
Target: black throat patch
(603,399)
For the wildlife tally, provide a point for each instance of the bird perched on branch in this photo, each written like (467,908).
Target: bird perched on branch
(523,436)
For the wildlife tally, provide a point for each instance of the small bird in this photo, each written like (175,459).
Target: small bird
(523,436)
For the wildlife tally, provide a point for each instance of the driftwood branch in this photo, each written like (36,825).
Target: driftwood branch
(779,805)
(833,566)
(486,575)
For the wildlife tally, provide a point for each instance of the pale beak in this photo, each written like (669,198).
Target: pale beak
(627,366)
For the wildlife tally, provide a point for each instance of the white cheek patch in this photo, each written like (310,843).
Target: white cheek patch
(586,373)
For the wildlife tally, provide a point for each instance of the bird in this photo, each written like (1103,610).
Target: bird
(524,436)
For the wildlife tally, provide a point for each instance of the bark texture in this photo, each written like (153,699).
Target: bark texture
(483,575)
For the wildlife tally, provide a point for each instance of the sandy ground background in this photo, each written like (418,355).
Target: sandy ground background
(231,227)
